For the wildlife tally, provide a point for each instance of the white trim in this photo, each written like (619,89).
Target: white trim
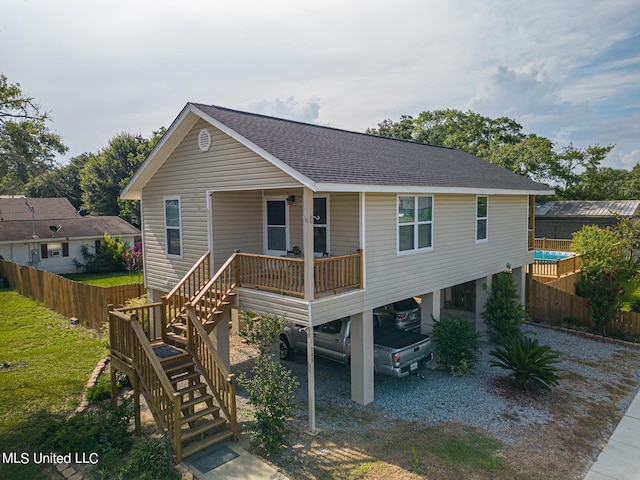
(167,227)
(486,219)
(415,223)
(356,187)
(287,227)
(326,226)
(209,194)
(363,236)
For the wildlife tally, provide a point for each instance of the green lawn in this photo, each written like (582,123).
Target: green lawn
(44,365)
(631,294)
(106,279)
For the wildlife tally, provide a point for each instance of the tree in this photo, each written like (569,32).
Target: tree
(573,166)
(600,249)
(604,293)
(27,146)
(503,312)
(105,174)
(61,182)
(500,140)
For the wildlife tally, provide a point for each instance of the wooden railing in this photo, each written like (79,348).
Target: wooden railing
(129,342)
(214,298)
(286,275)
(337,273)
(556,268)
(175,301)
(149,316)
(556,244)
(220,381)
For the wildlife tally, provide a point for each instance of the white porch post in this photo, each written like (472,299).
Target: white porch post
(309,291)
(362,381)
(518,275)
(429,311)
(481,299)
(220,338)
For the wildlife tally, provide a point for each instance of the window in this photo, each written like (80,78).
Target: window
(52,250)
(482,212)
(172,222)
(320,225)
(415,223)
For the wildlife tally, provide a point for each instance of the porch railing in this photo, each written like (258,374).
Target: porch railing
(556,268)
(286,275)
(556,244)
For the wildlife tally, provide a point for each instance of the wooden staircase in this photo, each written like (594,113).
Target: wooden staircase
(188,387)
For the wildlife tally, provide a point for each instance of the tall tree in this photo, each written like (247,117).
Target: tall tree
(573,166)
(106,173)
(61,182)
(27,146)
(498,140)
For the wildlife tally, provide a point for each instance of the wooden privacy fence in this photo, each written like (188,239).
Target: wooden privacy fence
(552,306)
(87,303)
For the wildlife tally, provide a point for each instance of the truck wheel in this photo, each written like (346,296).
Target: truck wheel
(286,352)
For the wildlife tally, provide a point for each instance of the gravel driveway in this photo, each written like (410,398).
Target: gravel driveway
(595,377)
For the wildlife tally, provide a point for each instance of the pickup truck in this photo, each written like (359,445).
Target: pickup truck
(395,352)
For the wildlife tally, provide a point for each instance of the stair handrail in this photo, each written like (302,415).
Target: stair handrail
(219,286)
(164,402)
(212,367)
(191,283)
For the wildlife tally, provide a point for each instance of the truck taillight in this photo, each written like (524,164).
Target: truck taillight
(400,316)
(395,358)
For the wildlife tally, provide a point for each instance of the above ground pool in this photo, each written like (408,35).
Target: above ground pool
(550,255)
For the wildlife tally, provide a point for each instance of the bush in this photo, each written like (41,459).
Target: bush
(503,312)
(531,364)
(100,391)
(150,459)
(457,344)
(108,258)
(270,389)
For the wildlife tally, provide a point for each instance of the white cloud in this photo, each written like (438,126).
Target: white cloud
(631,158)
(288,108)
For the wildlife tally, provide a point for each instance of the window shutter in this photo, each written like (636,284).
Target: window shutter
(65,249)
(97,244)
(44,253)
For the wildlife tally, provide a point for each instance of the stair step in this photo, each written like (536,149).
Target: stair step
(181,327)
(178,359)
(176,340)
(178,368)
(206,442)
(199,414)
(202,429)
(191,388)
(202,398)
(182,376)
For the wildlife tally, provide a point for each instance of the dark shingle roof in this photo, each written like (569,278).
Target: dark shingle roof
(588,208)
(43,208)
(79,227)
(329,155)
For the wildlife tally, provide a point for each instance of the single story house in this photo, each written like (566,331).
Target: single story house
(48,233)
(561,219)
(329,222)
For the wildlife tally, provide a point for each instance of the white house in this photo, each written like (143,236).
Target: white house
(48,233)
(374,220)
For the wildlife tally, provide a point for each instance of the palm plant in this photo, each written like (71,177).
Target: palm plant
(531,364)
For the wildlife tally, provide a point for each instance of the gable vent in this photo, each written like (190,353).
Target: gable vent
(204,140)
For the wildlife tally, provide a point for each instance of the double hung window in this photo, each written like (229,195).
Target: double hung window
(173,226)
(482,215)
(415,223)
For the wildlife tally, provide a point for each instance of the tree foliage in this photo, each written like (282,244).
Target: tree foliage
(503,312)
(27,146)
(599,247)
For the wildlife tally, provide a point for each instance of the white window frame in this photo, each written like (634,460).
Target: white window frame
(172,227)
(326,226)
(485,219)
(287,226)
(415,223)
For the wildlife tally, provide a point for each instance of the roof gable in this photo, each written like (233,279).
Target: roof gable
(327,158)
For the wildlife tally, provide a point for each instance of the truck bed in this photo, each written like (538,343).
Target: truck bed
(396,339)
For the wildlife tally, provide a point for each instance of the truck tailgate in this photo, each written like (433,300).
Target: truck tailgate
(396,339)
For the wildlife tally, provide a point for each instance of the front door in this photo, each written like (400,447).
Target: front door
(276,227)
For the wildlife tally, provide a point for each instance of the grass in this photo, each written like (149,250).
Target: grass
(44,364)
(631,294)
(106,279)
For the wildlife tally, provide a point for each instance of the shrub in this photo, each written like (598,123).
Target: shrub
(100,391)
(531,364)
(604,293)
(457,344)
(270,389)
(503,312)
(108,258)
(150,459)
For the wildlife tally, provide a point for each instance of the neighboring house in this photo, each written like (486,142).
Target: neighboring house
(48,233)
(404,219)
(561,219)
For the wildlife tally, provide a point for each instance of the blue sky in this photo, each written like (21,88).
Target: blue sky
(568,70)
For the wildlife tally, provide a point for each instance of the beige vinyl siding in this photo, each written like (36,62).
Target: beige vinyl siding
(189,174)
(455,258)
(293,309)
(344,223)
